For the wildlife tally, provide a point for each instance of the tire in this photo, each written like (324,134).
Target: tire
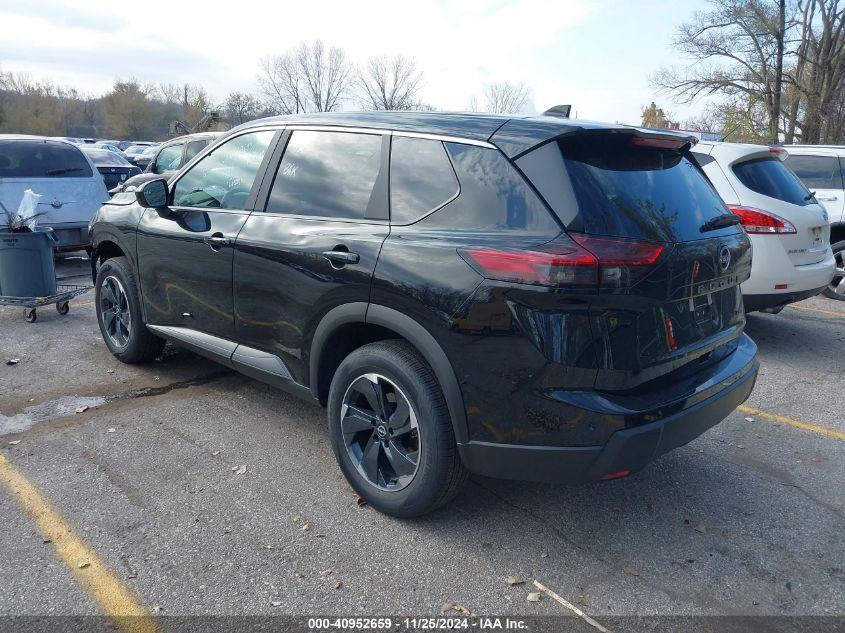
(439,474)
(839,253)
(136,344)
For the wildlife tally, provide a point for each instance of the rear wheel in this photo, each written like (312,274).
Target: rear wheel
(119,314)
(391,431)
(836,288)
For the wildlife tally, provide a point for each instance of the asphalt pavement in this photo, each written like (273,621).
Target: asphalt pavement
(206,492)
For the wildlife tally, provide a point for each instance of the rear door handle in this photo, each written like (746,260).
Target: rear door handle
(342,257)
(217,241)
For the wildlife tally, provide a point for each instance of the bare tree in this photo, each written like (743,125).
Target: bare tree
(310,78)
(818,76)
(505,97)
(737,48)
(390,84)
(241,107)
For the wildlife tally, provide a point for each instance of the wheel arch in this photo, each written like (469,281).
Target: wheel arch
(365,323)
(837,232)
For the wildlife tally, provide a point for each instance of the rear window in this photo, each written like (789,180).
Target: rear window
(602,185)
(42,159)
(104,157)
(816,172)
(770,177)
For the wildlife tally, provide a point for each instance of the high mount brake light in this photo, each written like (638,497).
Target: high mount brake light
(584,260)
(779,152)
(658,143)
(760,222)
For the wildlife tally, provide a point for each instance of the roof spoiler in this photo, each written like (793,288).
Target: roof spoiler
(561,111)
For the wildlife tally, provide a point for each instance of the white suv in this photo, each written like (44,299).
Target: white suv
(822,169)
(789,230)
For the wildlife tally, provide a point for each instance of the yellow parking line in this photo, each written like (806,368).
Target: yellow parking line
(841,315)
(89,570)
(800,424)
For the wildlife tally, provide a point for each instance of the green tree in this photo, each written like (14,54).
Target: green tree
(127,111)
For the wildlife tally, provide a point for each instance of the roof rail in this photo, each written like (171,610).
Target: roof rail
(561,111)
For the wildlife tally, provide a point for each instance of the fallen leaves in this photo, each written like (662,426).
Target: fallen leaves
(534,596)
(458,608)
(514,580)
(112,430)
(325,573)
(275,603)
(631,571)
(749,419)
(83,565)
(239,470)
(359,501)
(82,409)
(14,442)
(701,528)
(338,584)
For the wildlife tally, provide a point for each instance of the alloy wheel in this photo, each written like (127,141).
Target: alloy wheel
(380,432)
(114,312)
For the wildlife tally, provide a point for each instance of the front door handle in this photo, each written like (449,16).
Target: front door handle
(342,257)
(217,241)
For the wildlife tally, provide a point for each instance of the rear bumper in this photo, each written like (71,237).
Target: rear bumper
(629,449)
(764,302)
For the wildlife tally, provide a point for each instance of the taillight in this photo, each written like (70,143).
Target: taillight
(583,260)
(761,222)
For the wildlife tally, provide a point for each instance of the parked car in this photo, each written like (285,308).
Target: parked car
(822,170)
(789,229)
(107,146)
(168,158)
(143,158)
(530,298)
(113,167)
(70,187)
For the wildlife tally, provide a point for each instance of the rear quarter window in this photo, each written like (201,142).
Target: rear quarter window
(42,159)
(768,176)
(599,184)
(421,178)
(816,172)
(493,196)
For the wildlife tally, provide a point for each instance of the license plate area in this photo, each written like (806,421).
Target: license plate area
(816,234)
(701,307)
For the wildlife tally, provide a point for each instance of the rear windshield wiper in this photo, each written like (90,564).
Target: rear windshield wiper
(59,172)
(810,196)
(719,222)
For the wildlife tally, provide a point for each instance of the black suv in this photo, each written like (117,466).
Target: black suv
(532,298)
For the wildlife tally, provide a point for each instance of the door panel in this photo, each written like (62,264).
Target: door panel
(185,267)
(284,283)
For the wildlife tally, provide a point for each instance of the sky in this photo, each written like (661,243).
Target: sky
(597,55)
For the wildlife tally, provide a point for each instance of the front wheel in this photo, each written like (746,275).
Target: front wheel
(836,288)
(119,314)
(391,431)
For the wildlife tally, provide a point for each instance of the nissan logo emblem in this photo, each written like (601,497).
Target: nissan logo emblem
(724,257)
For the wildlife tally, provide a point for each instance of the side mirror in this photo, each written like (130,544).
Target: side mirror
(152,194)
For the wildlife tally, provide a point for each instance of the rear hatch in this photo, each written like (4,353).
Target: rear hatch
(773,201)
(70,190)
(670,256)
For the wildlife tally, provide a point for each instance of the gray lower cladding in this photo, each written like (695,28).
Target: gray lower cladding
(247,360)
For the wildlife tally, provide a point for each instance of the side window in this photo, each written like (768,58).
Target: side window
(494,196)
(816,172)
(421,178)
(194,148)
(327,174)
(168,159)
(224,178)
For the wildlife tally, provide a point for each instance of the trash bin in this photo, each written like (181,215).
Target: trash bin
(26,263)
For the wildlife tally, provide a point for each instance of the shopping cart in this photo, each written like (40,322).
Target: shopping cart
(62,297)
